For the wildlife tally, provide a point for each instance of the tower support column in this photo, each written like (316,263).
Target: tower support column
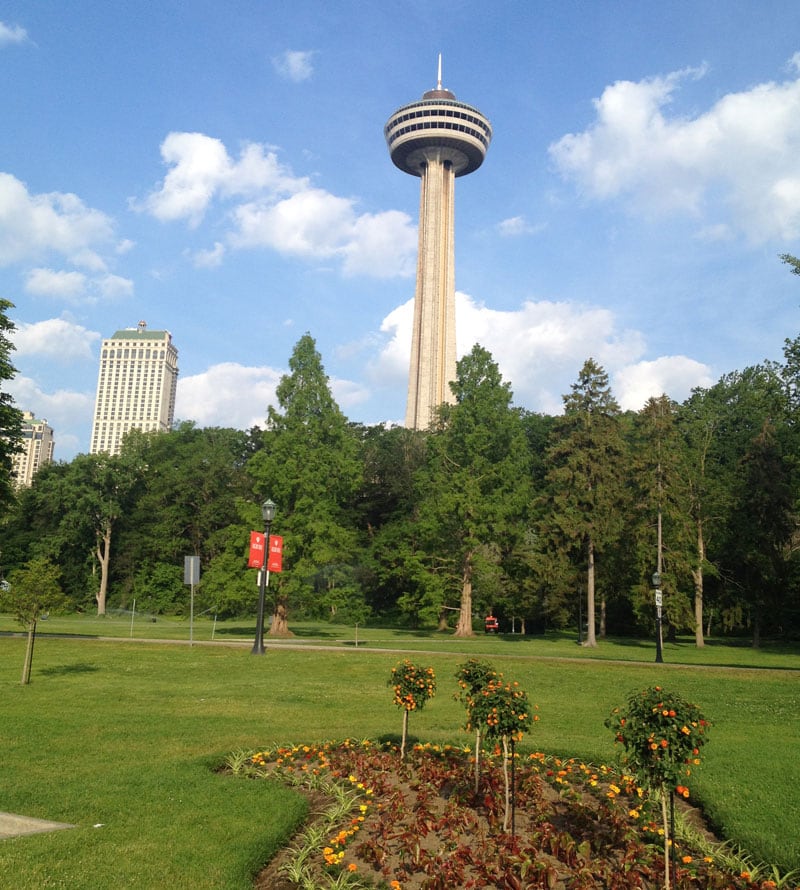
(433,338)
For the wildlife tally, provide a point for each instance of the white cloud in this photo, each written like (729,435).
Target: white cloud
(675,375)
(315,223)
(12,34)
(65,410)
(32,225)
(76,287)
(47,282)
(277,210)
(209,259)
(517,225)
(113,286)
(540,349)
(745,149)
(294,65)
(202,170)
(227,394)
(233,395)
(55,338)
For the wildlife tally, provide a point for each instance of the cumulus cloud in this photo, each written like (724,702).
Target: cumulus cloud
(34,225)
(202,170)
(271,208)
(675,375)
(294,65)
(744,149)
(234,395)
(65,410)
(227,394)
(47,282)
(75,286)
(54,338)
(12,34)
(209,259)
(315,223)
(540,348)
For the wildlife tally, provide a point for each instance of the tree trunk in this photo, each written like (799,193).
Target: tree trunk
(26,667)
(591,639)
(602,630)
(697,576)
(507,811)
(477,760)
(443,625)
(405,734)
(279,626)
(103,554)
(464,626)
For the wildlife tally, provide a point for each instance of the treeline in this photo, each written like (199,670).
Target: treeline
(547,521)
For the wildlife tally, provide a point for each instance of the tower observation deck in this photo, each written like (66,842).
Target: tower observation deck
(437,138)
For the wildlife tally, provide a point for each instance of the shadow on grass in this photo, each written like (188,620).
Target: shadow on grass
(65,670)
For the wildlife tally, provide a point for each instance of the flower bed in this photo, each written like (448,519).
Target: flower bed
(418,824)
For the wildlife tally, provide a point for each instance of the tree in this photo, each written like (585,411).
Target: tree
(475,488)
(309,466)
(584,479)
(661,735)
(29,593)
(661,531)
(10,417)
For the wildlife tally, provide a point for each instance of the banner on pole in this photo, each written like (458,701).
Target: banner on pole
(275,561)
(256,558)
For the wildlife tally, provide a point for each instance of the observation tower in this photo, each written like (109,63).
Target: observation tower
(437,139)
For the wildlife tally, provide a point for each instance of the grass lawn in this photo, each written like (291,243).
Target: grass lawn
(121,739)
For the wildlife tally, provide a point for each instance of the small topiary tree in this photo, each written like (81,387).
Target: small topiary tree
(502,707)
(662,735)
(472,677)
(413,685)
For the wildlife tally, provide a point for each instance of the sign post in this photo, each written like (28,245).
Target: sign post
(191,576)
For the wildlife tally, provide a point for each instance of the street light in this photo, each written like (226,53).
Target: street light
(268,512)
(659,600)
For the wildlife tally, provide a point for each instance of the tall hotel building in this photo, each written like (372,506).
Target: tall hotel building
(135,387)
(37,449)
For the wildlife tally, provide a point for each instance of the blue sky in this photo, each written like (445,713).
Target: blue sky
(219,170)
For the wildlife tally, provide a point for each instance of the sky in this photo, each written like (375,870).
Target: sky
(219,171)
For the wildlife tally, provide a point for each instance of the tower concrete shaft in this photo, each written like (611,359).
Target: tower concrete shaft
(437,139)
(433,336)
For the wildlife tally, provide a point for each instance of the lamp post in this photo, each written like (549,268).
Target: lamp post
(268,513)
(657,589)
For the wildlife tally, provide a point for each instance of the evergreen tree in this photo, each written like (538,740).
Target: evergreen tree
(309,466)
(475,488)
(582,516)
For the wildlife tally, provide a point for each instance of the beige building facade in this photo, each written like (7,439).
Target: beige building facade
(136,386)
(38,446)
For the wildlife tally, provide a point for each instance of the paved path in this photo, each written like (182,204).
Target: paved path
(14,826)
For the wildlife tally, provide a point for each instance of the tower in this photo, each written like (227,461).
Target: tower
(437,139)
(135,386)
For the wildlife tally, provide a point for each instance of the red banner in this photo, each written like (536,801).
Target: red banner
(274,557)
(275,560)
(256,558)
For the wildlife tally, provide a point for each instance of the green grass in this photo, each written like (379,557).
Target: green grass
(126,735)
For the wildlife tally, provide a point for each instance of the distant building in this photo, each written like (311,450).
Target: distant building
(135,387)
(37,444)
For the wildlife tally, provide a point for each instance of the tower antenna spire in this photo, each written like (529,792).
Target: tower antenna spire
(439,75)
